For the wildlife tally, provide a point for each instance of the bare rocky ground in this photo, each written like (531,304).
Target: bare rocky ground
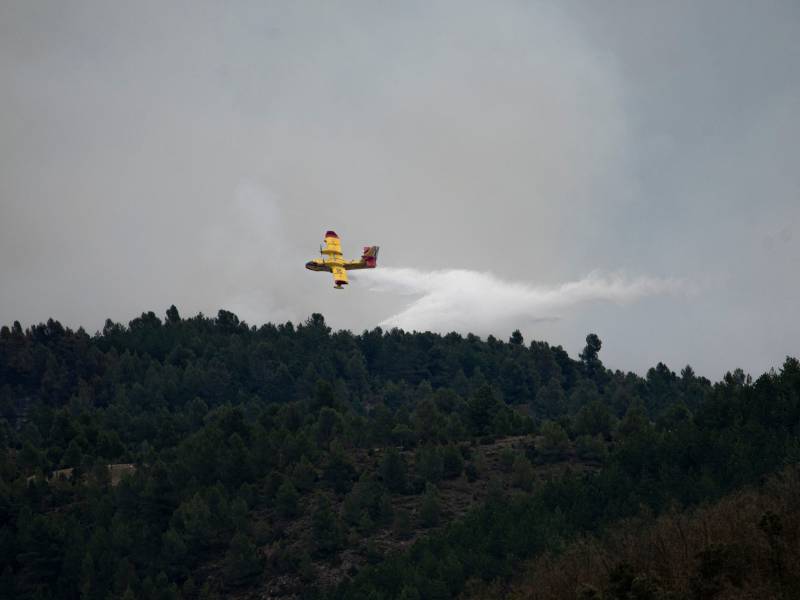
(115,472)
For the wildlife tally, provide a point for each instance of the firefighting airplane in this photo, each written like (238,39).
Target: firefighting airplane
(333,262)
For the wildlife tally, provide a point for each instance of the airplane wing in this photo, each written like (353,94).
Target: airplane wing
(352,265)
(317,265)
(333,245)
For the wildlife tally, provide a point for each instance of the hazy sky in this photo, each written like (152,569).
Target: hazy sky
(628,168)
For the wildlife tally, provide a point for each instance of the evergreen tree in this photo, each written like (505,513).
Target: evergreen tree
(339,472)
(242,562)
(590,448)
(452,462)
(590,356)
(328,534)
(594,419)
(522,473)
(430,509)
(507,456)
(73,457)
(516,382)
(429,464)
(393,472)
(554,443)
(173,316)
(304,475)
(129,595)
(481,410)
(402,527)
(174,552)
(287,500)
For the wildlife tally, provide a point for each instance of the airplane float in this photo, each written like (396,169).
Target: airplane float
(332,260)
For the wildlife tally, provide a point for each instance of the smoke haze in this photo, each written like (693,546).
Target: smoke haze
(194,153)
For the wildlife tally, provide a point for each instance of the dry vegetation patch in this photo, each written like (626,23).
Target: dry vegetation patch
(747,545)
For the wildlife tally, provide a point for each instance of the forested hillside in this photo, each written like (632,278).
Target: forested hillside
(746,545)
(205,458)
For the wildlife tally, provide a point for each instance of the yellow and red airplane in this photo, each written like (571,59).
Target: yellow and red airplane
(332,260)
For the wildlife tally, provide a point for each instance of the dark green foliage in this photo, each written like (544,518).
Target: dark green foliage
(287,500)
(242,562)
(73,457)
(554,443)
(516,381)
(367,502)
(481,410)
(591,449)
(327,530)
(589,357)
(635,423)
(329,425)
(393,471)
(522,473)
(223,421)
(551,401)
(429,464)
(430,508)
(507,456)
(429,423)
(594,418)
(304,475)
(402,527)
(339,472)
(452,463)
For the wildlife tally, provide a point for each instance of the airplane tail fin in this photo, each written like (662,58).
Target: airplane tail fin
(370,256)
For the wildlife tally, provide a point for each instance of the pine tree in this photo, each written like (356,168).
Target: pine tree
(481,410)
(393,472)
(304,475)
(591,362)
(286,500)
(554,443)
(429,464)
(327,530)
(522,473)
(174,552)
(452,462)
(402,527)
(73,456)
(242,562)
(339,473)
(129,595)
(429,512)
(189,589)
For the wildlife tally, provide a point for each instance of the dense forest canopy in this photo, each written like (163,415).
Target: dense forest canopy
(203,457)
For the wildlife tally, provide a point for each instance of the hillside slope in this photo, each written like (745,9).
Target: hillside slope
(284,460)
(747,545)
